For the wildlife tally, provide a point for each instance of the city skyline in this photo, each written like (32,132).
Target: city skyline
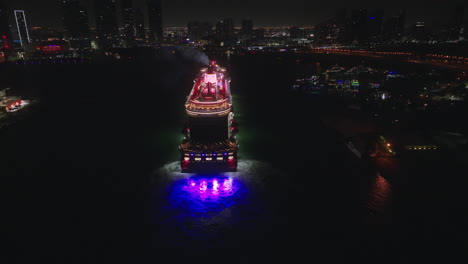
(263,13)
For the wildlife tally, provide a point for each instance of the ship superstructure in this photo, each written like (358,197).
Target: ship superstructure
(209,135)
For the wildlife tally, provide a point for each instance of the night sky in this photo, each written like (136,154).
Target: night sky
(263,12)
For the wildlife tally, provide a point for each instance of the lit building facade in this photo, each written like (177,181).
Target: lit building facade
(22,27)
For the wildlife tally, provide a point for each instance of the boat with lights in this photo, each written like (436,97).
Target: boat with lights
(210,131)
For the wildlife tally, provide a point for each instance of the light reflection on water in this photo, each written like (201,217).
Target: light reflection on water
(207,207)
(204,194)
(217,207)
(380,195)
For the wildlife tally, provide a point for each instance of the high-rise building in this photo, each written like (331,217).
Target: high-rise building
(75,20)
(225,29)
(358,26)
(155,20)
(5,33)
(22,27)
(297,32)
(199,30)
(394,26)
(247,28)
(128,17)
(375,24)
(335,29)
(401,22)
(106,18)
(259,33)
(419,32)
(456,26)
(139,24)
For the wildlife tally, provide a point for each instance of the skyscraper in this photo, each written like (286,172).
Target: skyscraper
(139,24)
(5,33)
(106,18)
(155,20)
(296,32)
(22,27)
(394,26)
(358,25)
(401,22)
(419,31)
(247,28)
(199,30)
(128,17)
(456,26)
(225,29)
(75,20)
(375,24)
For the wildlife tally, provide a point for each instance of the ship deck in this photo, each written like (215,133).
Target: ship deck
(210,94)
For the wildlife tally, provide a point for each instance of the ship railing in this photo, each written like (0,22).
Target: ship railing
(208,107)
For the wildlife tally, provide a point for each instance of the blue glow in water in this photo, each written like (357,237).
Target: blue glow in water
(204,206)
(205,194)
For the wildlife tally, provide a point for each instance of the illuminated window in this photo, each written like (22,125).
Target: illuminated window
(186,158)
(197,159)
(209,159)
(219,158)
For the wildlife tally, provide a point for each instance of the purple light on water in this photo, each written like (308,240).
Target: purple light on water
(206,194)
(200,206)
(215,185)
(209,189)
(227,185)
(203,186)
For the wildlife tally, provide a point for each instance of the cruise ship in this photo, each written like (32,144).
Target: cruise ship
(210,142)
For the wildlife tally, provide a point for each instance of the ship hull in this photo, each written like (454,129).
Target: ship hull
(209,143)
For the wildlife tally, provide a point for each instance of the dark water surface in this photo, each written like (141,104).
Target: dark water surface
(92,176)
